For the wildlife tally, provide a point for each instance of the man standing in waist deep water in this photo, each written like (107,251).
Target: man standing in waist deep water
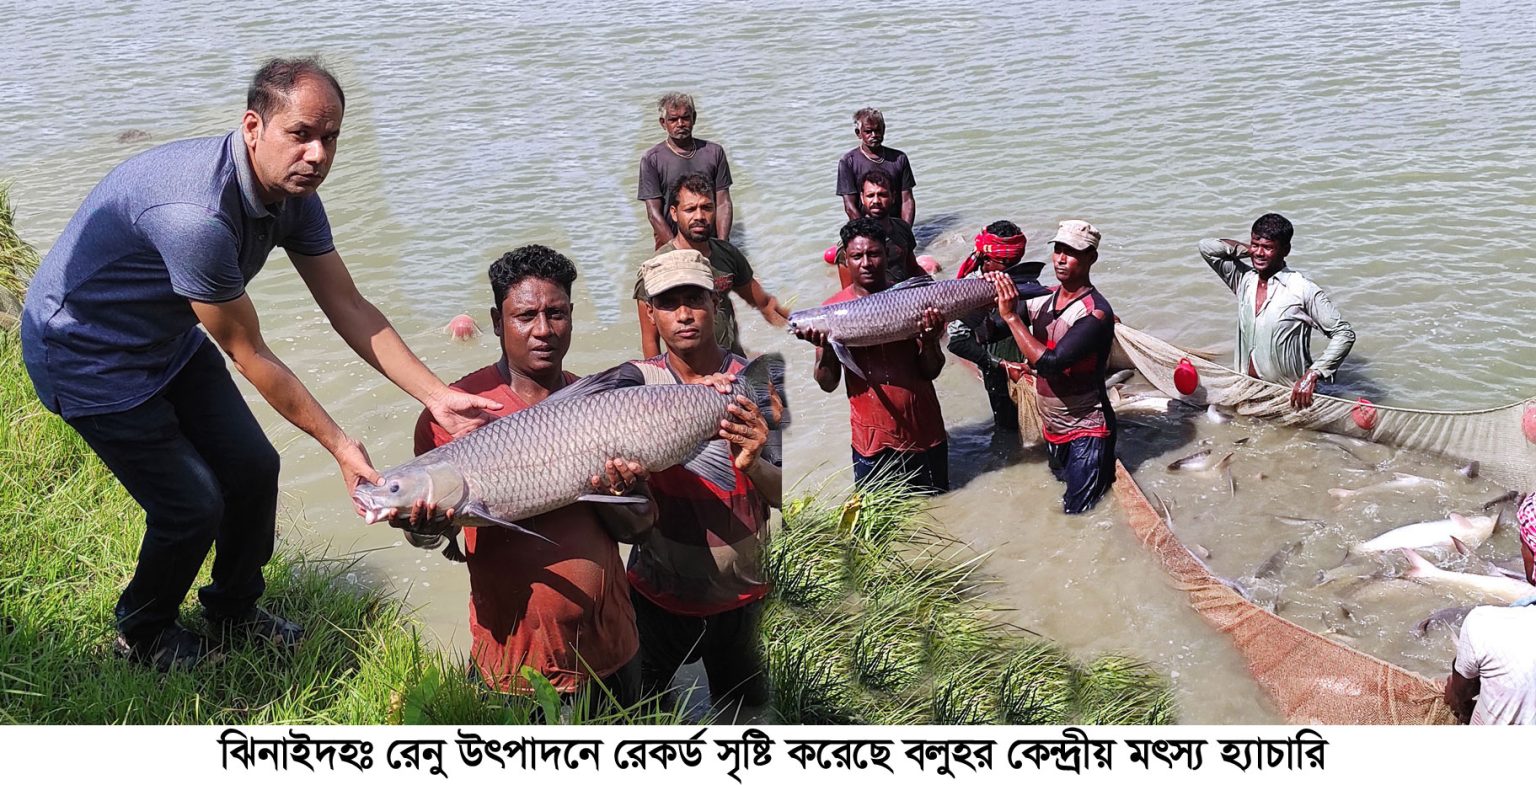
(675,157)
(1277,308)
(693,213)
(873,155)
(166,242)
(896,423)
(561,608)
(998,246)
(1065,337)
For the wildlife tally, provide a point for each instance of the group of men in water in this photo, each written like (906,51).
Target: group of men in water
(169,240)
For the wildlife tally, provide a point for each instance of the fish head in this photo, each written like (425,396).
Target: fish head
(436,483)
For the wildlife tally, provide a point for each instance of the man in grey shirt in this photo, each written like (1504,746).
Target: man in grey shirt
(1276,310)
(165,243)
(676,157)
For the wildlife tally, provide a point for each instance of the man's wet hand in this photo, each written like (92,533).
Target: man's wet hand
(459,412)
(746,430)
(1301,393)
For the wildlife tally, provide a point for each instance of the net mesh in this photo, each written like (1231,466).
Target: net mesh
(1311,679)
(1493,437)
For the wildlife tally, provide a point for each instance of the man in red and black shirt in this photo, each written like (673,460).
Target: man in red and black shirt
(1065,337)
(698,579)
(896,423)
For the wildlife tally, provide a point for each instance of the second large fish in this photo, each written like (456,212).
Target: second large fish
(893,314)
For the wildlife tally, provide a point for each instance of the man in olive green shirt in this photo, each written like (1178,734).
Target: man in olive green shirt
(1276,310)
(693,210)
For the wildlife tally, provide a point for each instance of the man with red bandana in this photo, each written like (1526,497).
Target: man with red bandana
(1065,337)
(999,246)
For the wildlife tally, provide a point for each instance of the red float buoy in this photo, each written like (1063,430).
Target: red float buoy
(1528,423)
(830,255)
(1364,414)
(1185,377)
(462,327)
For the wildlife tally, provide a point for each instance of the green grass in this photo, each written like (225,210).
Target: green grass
(18,261)
(877,617)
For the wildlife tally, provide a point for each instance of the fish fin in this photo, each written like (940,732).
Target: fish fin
(1024,274)
(845,356)
(1115,398)
(1226,461)
(1460,546)
(614,378)
(914,282)
(477,509)
(1231,481)
(760,380)
(773,450)
(608,498)
(452,551)
(712,462)
(1417,565)
(1502,519)
(1340,493)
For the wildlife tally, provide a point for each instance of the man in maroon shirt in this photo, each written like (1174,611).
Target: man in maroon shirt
(562,608)
(897,425)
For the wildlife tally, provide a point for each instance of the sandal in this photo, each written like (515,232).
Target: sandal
(257,623)
(173,647)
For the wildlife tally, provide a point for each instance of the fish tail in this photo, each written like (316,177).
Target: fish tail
(762,380)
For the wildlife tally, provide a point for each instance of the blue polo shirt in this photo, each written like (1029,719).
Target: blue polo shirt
(108,322)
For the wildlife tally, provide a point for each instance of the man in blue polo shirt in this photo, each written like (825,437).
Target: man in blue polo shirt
(166,242)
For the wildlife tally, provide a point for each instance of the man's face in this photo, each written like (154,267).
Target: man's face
(871,133)
(678,122)
(684,317)
(865,257)
(534,325)
(876,199)
(1070,263)
(1267,253)
(292,151)
(989,264)
(694,215)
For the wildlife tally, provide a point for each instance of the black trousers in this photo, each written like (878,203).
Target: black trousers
(1087,465)
(925,471)
(195,459)
(727,642)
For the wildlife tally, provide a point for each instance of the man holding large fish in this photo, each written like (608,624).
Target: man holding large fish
(887,337)
(561,604)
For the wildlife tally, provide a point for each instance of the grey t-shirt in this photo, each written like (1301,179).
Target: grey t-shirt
(855,164)
(107,322)
(660,169)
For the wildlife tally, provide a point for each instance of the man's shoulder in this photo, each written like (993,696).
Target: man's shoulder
(893,155)
(843,295)
(192,172)
(724,250)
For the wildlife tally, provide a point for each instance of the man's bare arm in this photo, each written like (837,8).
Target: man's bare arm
(235,327)
(851,206)
(908,206)
(766,304)
(660,231)
(724,212)
(365,329)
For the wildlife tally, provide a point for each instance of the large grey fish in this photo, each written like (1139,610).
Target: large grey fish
(892,315)
(543,457)
(1497,588)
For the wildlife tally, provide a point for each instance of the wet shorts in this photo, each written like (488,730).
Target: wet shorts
(1087,465)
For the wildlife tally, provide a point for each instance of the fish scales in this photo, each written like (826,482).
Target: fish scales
(893,314)
(540,458)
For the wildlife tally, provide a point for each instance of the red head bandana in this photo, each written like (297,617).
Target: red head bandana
(1006,250)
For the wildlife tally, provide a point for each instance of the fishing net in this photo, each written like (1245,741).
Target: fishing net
(1311,679)
(1493,437)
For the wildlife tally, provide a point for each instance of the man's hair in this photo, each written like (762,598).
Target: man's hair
(530,261)
(693,183)
(878,178)
(864,227)
(1273,226)
(274,83)
(868,113)
(1004,229)
(670,100)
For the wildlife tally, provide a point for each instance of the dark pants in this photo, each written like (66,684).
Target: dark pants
(926,471)
(1087,464)
(1005,413)
(195,459)
(727,642)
